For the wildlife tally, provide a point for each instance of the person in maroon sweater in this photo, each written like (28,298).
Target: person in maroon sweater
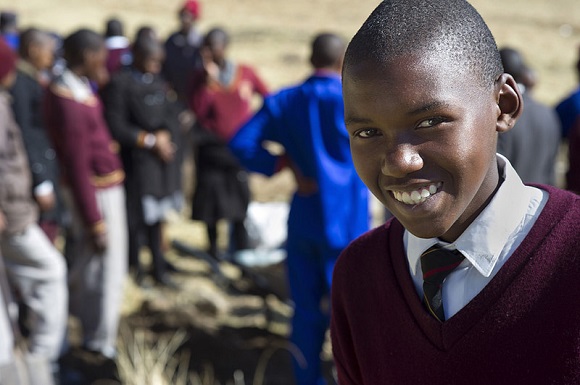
(220,97)
(425,98)
(96,244)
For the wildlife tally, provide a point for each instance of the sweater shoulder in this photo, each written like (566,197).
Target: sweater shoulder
(555,233)
(561,203)
(369,249)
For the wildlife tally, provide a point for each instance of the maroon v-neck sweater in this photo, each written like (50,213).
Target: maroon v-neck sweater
(523,328)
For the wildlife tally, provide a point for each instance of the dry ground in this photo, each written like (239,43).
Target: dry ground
(231,326)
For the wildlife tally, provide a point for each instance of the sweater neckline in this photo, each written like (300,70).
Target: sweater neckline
(444,335)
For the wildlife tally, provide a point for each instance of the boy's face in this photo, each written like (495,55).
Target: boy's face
(217,50)
(423,139)
(186,19)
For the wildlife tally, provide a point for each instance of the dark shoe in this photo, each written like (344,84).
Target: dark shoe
(172,268)
(84,366)
(166,281)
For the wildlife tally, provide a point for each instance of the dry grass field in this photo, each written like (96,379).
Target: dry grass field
(240,327)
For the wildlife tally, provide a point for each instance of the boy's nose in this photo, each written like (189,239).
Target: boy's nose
(401,160)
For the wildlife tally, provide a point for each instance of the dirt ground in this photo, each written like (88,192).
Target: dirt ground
(236,326)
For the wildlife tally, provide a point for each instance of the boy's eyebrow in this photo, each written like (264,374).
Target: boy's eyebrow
(434,105)
(427,107)
(356,120)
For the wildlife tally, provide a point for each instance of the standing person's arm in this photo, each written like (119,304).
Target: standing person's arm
(116,105)
(116,102)
(201,101)
(35,140)
(4,148)
(258,84)
(74,134)
(2,222)
(247,144)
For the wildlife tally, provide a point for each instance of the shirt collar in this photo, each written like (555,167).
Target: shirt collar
(482,242)
(79,86)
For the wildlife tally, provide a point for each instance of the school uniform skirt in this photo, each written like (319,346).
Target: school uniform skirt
(221,194)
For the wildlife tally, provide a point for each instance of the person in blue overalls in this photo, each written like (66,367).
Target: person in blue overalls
(330,206)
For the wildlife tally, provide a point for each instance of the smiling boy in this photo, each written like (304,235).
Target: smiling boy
(472,281)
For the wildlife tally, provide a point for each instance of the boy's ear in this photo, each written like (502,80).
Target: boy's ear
(510,102)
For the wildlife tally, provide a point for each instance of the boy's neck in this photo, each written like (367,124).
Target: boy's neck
(452,236)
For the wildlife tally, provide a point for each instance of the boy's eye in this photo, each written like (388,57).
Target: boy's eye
(366,133)
(430,122)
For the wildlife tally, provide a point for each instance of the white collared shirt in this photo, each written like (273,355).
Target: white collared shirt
(79,86)
(487,243)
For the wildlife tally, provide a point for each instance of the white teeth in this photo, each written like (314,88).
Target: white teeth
(417,196)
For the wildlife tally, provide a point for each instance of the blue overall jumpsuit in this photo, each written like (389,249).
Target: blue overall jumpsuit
(307,120)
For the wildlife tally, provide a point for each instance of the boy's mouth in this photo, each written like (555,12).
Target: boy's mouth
(417,196)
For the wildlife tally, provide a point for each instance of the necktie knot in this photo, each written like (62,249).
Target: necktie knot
(437,263)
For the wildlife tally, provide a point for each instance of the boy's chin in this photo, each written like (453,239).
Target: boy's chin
(425,230)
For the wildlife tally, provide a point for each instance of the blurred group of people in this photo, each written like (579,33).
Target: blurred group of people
(94,129)
(92,141)
(97,127)
(533,145)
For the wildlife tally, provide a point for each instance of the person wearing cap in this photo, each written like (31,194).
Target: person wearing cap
(182,49)
(35,268)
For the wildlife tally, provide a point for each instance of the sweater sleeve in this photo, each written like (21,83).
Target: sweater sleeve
(342,344)
(5,152)
(201,101)
(34,137)
(258,84)
(74,140)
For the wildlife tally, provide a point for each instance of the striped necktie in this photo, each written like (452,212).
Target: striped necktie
(437,263)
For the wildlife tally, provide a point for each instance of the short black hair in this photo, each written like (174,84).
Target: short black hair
(77,43)
(145,47)
(452,27)
(145,32)
(8,21)
(216,34)
(513,63)
(327,50)
(114,27)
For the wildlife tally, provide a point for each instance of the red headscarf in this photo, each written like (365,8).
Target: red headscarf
(193,7)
